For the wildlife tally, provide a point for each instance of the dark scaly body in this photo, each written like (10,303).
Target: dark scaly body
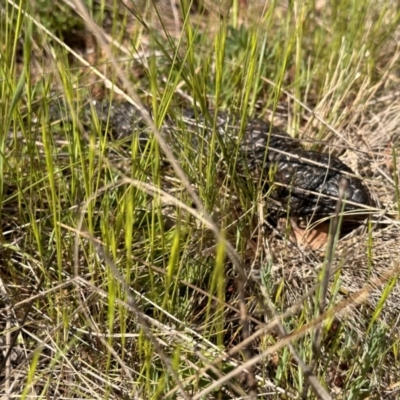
(307,182)
(300,174)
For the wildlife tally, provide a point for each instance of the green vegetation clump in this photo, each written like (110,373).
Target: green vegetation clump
(129,271)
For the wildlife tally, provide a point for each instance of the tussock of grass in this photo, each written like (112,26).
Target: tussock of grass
(134,271)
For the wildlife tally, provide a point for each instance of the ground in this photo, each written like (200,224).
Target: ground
(126,275)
